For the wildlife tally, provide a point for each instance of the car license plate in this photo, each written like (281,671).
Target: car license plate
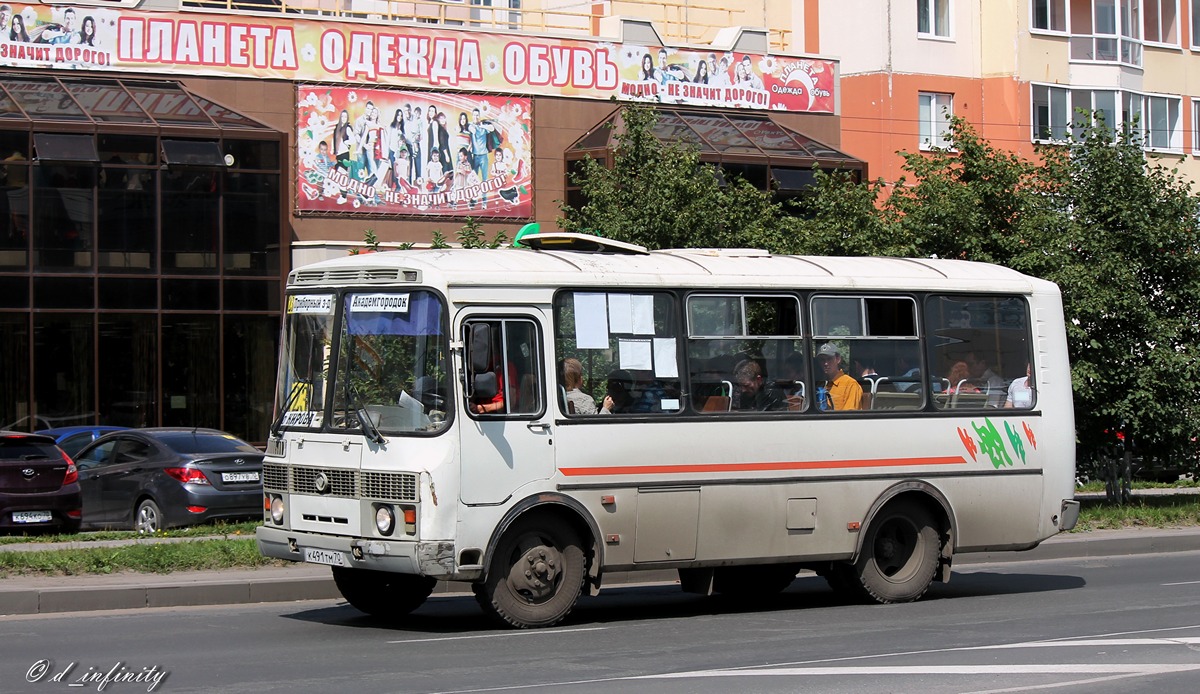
(324,556)
(239,476)
(32,516)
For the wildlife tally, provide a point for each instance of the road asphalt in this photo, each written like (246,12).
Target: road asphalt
(21,595)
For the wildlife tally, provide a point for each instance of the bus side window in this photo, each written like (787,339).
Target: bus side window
(978,346)
(628,348)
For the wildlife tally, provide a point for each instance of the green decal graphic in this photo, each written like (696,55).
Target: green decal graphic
(1014,437)
(991,444)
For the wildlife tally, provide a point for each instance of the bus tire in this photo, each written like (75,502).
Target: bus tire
(899,555)
(536,574)
(758,580)
(382,593)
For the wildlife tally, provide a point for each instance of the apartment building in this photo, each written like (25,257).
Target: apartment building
(1017,69)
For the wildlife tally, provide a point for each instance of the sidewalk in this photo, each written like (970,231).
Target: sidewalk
(41,594)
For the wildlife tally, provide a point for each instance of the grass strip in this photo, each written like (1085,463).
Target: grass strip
(1144,512)
(142,557)
(227,530)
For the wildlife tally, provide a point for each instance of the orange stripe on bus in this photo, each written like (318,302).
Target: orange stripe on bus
(758,467)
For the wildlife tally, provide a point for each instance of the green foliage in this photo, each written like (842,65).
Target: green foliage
(662,196)
(370,243)
(1123,247)
(969,202)
(842,217)
(438,240)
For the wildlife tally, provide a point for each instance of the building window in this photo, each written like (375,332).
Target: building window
(1162,126)
(1195,14)
(935,112)
(1051,115)
(1196,125)
(933,18)
(1110,33)
(1050,15)
(1161,21)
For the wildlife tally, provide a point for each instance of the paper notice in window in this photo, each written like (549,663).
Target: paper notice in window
(591,321)
(620,314)
(643,314)
(635,354)
(665,365)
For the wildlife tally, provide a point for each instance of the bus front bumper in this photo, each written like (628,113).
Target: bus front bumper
(434,559)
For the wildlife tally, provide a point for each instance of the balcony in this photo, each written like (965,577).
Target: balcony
(1106,48)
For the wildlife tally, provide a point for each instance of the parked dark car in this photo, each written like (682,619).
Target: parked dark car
(39,486)
(73,439)
(152,479)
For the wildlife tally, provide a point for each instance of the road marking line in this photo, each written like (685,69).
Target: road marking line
(1182,583)
(1182,641)
(1036,669)
(546,632)
(1057,685)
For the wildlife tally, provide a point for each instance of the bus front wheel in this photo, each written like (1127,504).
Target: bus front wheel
(899,556)
(382,593)
(536,574)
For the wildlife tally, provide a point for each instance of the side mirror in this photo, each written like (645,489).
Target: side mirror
(481,348)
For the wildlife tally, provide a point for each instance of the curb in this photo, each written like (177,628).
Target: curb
(42,595)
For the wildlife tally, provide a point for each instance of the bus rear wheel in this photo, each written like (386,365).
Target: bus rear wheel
(535,576)
(899,556)
(382,593)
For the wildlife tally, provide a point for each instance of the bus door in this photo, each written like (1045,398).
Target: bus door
(506,436)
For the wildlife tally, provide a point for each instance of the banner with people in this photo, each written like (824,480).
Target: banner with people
(414,153)
(305,49)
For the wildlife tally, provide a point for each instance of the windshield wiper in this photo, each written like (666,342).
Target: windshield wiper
(364,419)
(287,407)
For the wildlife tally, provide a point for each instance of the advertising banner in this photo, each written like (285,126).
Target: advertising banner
(363,54)
(413,153)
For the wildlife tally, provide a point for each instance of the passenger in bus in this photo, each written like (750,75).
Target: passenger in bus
(571,375)
(1020,392)
(959,377)
(753,392)
(844,392)
(618,399)
(982,373)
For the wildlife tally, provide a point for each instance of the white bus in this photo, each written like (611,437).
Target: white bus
(758,415)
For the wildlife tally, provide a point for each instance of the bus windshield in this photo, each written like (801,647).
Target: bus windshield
(392,363)
(304,369)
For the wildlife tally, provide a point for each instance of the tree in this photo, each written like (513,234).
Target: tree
(970,201)
(842,217)
(660,195)
(1124,247)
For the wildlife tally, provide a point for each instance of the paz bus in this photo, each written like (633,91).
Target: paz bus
(428,429)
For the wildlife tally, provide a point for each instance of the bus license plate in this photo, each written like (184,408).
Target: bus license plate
(324,556)
(32,516)
(239,476)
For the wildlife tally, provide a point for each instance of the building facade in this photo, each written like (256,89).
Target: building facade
(1018,70)
(167,163)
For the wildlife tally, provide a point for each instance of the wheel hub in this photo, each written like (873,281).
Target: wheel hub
(534,575)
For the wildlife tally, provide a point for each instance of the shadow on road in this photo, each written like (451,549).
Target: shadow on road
(458,614)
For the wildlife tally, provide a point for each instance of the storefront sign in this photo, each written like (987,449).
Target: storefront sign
(309,50)
(414,153)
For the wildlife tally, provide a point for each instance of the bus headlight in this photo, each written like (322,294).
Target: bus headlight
(385,520)
(277,509)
